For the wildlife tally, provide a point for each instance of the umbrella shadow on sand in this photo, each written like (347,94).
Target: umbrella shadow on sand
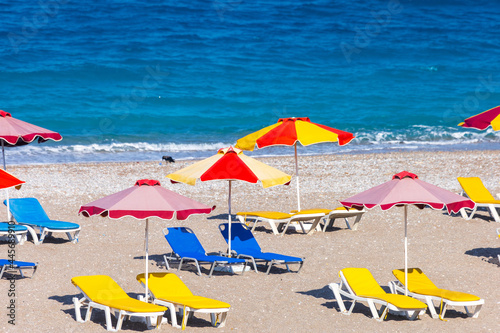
(488,254)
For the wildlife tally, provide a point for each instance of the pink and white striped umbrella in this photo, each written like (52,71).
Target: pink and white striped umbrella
(15,132)
(406,189)
(147,198)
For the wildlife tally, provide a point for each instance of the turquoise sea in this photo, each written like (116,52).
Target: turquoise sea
(136,80)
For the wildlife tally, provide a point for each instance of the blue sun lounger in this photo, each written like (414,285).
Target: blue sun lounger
(186,246)
(29,212)
(19,232)
(245,245)
(7,266)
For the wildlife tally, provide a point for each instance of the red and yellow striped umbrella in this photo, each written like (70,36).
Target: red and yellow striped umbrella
(230,164)
(484,119)
(289,131)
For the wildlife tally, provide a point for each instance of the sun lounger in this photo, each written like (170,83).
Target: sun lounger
(358,285)
(29,212)
(244,244)
(168,290)
(345,213)
(7,266)
(474,189)
(332,215)
(420,286)
(18,232)
(102,292)
(186,246)
(280,222)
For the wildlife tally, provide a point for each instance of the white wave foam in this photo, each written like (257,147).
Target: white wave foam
(416,137)
(116,147)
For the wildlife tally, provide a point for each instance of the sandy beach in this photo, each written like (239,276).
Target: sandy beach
(456,254)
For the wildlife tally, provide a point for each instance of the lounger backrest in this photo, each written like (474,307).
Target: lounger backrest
(183,240)
(362,281)
(417,280)
(165,284)
(242,238)
(27,210)
(99,287)
(475,189)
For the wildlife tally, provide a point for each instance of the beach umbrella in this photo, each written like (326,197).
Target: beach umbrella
(15,132)
(481,121)
(146,199)
(289,131)
(406,189)
(230,164)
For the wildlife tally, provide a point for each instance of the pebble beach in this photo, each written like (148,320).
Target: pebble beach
(455,253)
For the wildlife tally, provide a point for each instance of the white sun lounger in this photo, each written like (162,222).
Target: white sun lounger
(280,222)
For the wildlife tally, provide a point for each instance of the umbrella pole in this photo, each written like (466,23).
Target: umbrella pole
(406,250)
(147,259)
(3,155)
(229,218)
(297,175)
(6,190)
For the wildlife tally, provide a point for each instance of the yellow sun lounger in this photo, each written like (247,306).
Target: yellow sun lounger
(420,286)
(475,190)
(280,222)
(102,292)
(358,284)
(168,290)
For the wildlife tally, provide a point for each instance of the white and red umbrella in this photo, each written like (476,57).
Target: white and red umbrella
(15,132)
(406,189)
(146,199)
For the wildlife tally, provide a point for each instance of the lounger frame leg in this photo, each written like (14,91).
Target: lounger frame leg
(466,216)
(218,323)
(475,313)
(78,304)
(378,315)
(335,287)
(254,264)
(73,239)
(300,266)
(494,213)
(33,234)
(211,268)
(355,224)
(167,266)
(43,233)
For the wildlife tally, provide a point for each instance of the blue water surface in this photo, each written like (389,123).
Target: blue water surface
(135,80)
